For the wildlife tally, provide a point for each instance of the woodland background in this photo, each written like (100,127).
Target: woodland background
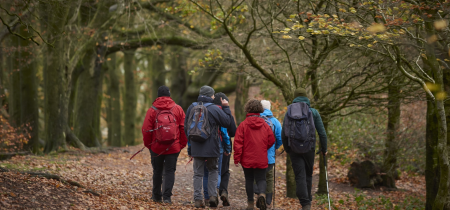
(77,77)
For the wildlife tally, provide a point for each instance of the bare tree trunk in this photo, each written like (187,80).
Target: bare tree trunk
(56,115)
(158,71)
(178,73)
(130,98)
(73,93)
(242,86)
(114,113)
(391,145)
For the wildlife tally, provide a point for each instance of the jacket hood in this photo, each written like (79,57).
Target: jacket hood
(302,99)
(267,113)
(163,102)
(254,122)
(205,99)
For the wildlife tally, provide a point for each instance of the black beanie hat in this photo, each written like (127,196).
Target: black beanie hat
(217,97)
(206,91)
(163,91)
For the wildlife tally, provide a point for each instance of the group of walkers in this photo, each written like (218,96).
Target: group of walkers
(206,129)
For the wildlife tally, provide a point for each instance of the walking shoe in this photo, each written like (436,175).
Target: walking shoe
(307,207)
(269,198)
(206,202)
(156,200)
(213,201)
(250,205)
(199,204)
(167,200)
(261,202)
(224,198)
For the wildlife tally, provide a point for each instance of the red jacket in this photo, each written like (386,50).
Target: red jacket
(253,138)
(163,103)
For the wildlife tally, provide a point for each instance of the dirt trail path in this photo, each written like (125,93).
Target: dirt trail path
(125,184)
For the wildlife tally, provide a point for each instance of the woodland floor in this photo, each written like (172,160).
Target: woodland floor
(124,184)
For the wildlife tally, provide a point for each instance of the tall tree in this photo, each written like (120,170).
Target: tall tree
(114,113)
(130,98)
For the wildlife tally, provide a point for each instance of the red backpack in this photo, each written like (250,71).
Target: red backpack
(166,127)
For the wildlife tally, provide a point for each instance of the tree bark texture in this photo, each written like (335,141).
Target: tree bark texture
(242,86)
(114,113)
(389,166)
(130,98)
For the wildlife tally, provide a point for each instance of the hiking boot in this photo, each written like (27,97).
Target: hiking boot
(156,200)
(199,204)
(307,207)
(261,202)
(213,201)
(250,205)
(167,200)
(206,202)
(269,198)
(224,198)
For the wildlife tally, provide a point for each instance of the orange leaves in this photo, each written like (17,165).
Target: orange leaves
(376,28)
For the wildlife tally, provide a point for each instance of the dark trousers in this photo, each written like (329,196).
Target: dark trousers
(303,169)
(269,184)
(251,175)
(225,174)
(168,165)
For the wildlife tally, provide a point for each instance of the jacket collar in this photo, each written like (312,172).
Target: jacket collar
(206,99)
(302,99)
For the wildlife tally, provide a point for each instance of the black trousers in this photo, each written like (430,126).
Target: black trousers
(251,175)
(225,174)
(166,164)
(303,165)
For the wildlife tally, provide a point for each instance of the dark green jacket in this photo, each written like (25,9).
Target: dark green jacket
(317,123)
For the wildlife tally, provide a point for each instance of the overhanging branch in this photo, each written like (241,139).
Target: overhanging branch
(145,42)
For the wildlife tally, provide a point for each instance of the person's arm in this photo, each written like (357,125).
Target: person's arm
(238,144)
(183,138)
(147,126)
(225,140)
(284,138)
(320,130)
(270,136)
(277,132)
(223,117)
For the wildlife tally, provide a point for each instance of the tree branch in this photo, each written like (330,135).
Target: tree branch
(138,43)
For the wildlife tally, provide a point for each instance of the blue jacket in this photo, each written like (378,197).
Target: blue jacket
(226,145)
(317,123)
(277,133)
(217,118)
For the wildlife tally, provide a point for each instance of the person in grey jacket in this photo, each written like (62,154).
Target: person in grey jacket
(209,150)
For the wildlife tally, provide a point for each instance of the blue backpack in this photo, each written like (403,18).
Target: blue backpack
(199,128)
(299,128)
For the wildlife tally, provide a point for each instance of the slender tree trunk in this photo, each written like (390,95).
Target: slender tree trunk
(56,115)
(158,73)
(178,73)
(14,64)
(391,145)
(242,87)
(432,167)
(130,98)
(114,114)
(73,91)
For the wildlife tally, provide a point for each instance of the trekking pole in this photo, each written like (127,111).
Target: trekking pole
(274,179)
(326,177)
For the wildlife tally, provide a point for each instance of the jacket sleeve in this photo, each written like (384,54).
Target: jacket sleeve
(270,137)
(277,131)
(146,127)
(223,117)
(284,138)
(183,138)
(225,140)
(238,144)
(320,130)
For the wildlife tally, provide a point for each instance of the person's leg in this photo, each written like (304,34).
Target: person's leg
(170,166)
(225,176)
(205,183)
(198,176)
(219,171)
(157,165)
(260,178)
(298,165)
(269,180)
(309,167)
(249,178)
(212,165)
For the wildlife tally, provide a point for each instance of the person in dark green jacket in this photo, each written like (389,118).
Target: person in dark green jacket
(303,164)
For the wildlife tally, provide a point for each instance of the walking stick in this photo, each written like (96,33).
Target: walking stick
(326,177)
(274,179)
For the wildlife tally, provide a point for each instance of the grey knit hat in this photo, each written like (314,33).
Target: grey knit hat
(206,91)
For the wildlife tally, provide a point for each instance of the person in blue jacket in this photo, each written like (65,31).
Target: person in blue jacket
(225,149)
(276,128)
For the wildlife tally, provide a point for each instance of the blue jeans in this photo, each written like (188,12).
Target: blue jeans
(205,177)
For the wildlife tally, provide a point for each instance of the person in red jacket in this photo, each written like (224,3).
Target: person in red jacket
(253,138)
(165,139)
